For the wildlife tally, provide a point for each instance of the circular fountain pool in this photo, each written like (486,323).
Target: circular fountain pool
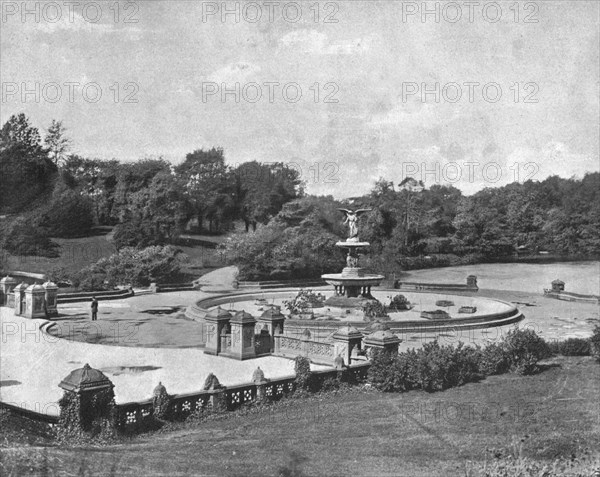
(488,312)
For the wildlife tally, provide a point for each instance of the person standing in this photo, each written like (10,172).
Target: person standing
(94,309)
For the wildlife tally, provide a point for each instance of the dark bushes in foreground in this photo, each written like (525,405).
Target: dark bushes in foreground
(571,347)
(430,368)
(435,368)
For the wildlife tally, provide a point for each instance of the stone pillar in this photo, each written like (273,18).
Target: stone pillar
(215,322)
(35,301)
(472,282)
(347,341)
(258,378)
(161,401)
(217,393)
(242,336)
(274,319)
(383,340)
(558,286)
(19,298)
(87,400)
(51,298)
(7,284)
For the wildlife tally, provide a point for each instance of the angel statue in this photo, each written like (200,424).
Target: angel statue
(352,221)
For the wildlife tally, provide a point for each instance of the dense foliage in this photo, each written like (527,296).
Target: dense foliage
(571,347)
(304,301)
(399,303)
(298,243)
(131,266)
(87,414)
(595,343)
(303,378)
(374,310)
(434,367)
(149,201)
(433,227)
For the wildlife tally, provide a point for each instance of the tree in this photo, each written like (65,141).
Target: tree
(18,132)
(98,181)
(68,214)
(132,178)
(208,187)
(155,216)
(299,242)
(26,173)
(262,189)
(56,141)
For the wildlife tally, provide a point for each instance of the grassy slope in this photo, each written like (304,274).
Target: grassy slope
(369,433)
(78,253)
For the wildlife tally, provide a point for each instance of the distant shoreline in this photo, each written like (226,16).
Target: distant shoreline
(534,259)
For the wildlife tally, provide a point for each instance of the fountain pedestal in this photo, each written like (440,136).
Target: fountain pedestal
(353,285)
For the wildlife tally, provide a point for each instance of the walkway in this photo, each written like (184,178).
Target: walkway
(32,363)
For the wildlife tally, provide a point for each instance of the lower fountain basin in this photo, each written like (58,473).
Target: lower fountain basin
(367,279)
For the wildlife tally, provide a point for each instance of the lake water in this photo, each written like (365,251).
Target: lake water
(579,277)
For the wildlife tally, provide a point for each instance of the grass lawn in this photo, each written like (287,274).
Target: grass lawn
(78,253)
(75,254)
(555,413)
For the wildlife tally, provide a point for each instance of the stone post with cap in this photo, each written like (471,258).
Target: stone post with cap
(242,336)
(51,297)
(347,341)
(35,301)
(258,378)
(274,320)
(216,321)
(19,300)
(7,284)
(382,340)
(161,401)
(216,391)
(87,401)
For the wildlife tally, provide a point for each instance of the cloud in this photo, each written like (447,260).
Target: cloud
(314,42)
(412,115)
(554,158)
(234,73)
(78,24)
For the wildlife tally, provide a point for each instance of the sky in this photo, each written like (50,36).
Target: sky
(345,92)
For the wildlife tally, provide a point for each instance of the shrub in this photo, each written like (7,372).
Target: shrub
(22,236)
(493,360)
(381,373)
(303,375)
(374,310)
(88,279)
(463,367)
(595,343)
(304,301)
(69,214)
(430,368)
(571,347)
(134,267)
(442,367)
(524,349)
(435,368)
(398,303)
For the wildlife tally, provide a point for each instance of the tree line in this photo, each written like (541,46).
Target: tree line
(47,192)
(419,227)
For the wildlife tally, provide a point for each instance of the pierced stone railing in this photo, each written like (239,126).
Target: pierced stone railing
(134,416)
(316,351)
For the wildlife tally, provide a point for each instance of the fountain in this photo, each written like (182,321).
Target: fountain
(353,285)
